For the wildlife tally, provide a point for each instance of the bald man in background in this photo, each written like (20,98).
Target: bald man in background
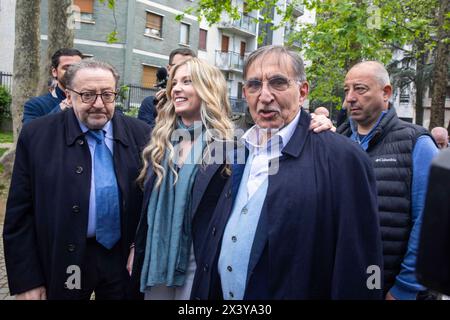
(401,154)
(440,135)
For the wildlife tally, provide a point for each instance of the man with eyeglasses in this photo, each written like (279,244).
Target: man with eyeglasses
(73,204)
(297,220)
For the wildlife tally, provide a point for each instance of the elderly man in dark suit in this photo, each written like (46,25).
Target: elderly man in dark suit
(73,204)
(297,220)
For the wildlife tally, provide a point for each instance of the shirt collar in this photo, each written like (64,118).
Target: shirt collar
(251,137)
(107,128)
(61,94)
(354,125)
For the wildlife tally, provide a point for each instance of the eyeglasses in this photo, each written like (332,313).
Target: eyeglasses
(91,97)
(278,83)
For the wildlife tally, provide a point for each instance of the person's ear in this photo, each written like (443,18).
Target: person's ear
(387,92)
(303,90)
(69,97)
(54,73)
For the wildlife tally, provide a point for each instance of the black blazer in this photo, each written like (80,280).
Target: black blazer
(47,210)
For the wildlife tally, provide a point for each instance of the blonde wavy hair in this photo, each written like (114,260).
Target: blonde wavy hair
(215,110)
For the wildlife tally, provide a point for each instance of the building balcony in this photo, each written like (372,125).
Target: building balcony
(229,61)
(294,44)
(238,105)
(298,9)
(245,26)
(290,39)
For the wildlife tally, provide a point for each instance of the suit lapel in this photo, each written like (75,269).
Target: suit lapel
(260,240)
(237,173)
(119,154)
(202,180)
(292,149)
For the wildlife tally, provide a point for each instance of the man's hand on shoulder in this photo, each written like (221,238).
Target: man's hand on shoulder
(321,123)
(161,93)
(389,296)
(38,293)
(64,105)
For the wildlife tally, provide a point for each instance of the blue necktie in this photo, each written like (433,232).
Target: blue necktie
(106,193)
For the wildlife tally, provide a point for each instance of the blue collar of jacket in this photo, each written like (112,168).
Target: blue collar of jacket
(60,93)
(364,141)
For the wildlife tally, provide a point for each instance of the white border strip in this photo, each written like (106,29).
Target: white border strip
(92,43)
(165,8)
(150,54)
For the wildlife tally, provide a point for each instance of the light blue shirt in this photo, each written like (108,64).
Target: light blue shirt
(406,285)
(92,144)
(238,238)
(241,227)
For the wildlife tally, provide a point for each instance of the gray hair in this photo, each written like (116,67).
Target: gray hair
(380,73)
(297,62)
(439,132)
(71,72)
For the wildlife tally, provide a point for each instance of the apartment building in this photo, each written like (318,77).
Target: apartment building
(227,43)
(404,97)
(146,30)
(7,18)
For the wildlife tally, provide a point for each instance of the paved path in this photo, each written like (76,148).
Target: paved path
(4,291)
(6,145)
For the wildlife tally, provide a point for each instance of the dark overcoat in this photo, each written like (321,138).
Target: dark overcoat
(48,204)
(318,234)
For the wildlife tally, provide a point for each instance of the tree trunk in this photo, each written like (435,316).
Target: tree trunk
(437,116)
(420,84)
(26,69)
(26,59)
(60,35)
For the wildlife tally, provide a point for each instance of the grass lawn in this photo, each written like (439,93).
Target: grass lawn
(6,137)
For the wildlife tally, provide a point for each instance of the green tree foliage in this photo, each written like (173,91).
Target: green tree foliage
(345,32)
(5,102)
(112,37)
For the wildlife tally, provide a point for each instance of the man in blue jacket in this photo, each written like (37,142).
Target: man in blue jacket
(298,219)
(51,102)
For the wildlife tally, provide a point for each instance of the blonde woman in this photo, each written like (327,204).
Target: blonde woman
(181,186)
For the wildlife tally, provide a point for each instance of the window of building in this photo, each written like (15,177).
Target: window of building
(86,9)
(184,34)
(203,35)
(225,43)
(149,76)
(153,27)
(404,94)
(242,49)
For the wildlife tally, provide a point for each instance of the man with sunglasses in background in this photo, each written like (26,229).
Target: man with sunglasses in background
(73,204)
(297,220)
